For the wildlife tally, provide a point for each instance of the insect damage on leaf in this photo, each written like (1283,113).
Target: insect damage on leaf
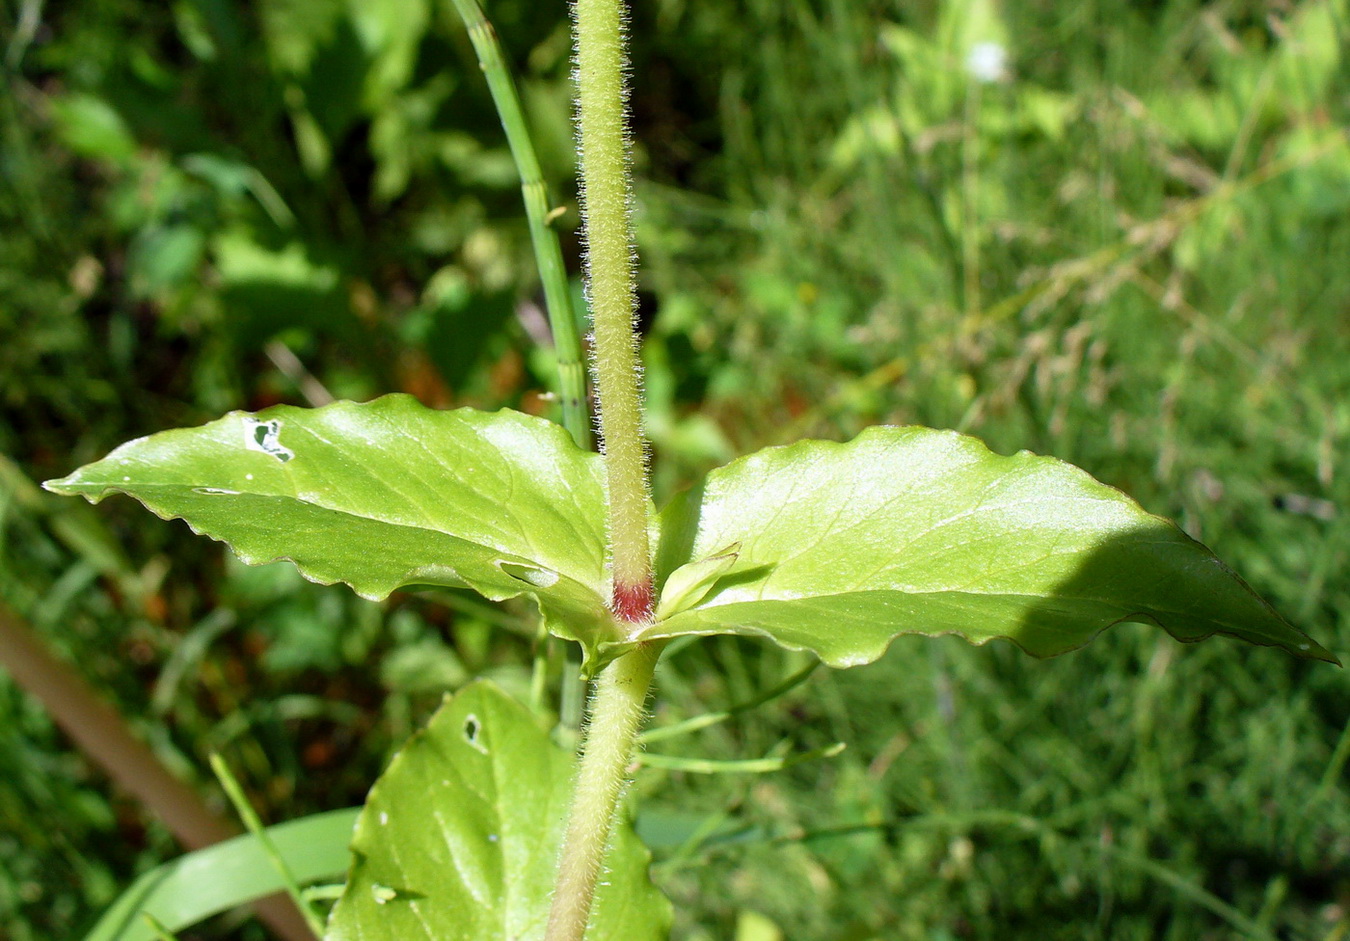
(265,436)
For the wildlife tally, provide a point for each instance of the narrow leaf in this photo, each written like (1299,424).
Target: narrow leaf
(386,494)
(911,530)
(459,839)
(209,881)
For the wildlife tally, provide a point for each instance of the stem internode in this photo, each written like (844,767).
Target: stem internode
(617,710)
(610,286)
(618,707)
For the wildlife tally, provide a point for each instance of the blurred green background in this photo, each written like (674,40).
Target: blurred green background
(1112,231)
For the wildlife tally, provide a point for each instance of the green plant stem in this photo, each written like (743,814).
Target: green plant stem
(617,710)
(713,718)
(606,199)
(539,671)
(619,702)
(547,254)
(255,826)
(738,765)
(970,204)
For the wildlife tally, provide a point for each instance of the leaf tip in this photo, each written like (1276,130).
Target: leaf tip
(1311,650)
(72,486)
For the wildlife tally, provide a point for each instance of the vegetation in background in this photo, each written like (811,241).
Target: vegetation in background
(1125,246)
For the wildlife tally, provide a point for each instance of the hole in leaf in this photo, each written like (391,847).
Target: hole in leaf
(472,726)
(265,436)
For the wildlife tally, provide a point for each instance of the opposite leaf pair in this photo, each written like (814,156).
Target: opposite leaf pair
(832,548)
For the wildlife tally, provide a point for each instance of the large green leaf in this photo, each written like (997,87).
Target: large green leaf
(459,838)
(386,494)
(841,547)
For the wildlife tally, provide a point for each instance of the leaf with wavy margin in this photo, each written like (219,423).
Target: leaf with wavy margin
(387,494)
(842,547)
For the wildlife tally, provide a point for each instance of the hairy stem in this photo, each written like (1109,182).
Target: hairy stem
(617,710)
(606,196)
(618,706)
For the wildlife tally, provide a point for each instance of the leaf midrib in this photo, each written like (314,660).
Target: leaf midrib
(595,585)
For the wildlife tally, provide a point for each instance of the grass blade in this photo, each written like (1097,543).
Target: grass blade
(213,880)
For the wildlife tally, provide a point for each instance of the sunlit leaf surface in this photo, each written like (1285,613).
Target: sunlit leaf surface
(386,494)
(911,530)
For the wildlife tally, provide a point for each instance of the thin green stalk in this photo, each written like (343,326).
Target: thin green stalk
(572,695)
(737,765)
(610,283)
(539,671)
(970,209)
(698,723)
(324,893)
(547,254)
(255,826)
(617,710)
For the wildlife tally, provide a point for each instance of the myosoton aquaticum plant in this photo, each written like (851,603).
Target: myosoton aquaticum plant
(482,828)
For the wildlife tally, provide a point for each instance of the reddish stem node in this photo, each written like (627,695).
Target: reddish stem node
(633,603)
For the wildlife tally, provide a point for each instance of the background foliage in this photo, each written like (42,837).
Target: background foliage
(1128,250)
